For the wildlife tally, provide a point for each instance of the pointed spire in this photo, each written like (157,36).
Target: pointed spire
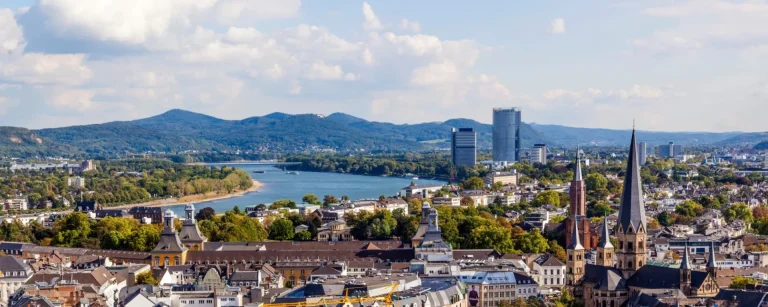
(685,263)
(632,209)
(575,242)
(605,235)
(711,264)
(577,173)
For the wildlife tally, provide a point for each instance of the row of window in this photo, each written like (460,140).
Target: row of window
(198,301)
(14,274)
(551,272)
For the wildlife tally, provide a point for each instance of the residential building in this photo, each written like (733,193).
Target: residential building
(464,147)
(422,191)
(537,154)
(16,204)
(548,272)
(506,134)
(335,231)
(76,182)
(506,178)
(448,201)
(13,274)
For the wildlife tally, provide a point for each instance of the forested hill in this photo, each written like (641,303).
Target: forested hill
(179,130)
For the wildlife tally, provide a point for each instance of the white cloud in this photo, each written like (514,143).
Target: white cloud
(276,72)
(321,71)
(75,99)
(11,36)
(706,24)
(295,88)
(367,56)
(557,26)
(140,21)
(372,22)
(37,68)
(412,26)
(435,73)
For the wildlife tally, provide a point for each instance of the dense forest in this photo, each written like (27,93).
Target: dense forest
(122,181)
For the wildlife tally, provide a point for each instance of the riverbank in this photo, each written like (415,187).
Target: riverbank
(211,196)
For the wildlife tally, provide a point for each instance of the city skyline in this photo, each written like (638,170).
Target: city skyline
(658,60)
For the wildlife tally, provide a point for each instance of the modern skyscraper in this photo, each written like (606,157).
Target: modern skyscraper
(506,134)
(671,150)
(642,152)
(464,147)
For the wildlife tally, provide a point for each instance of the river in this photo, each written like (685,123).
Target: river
(279,185)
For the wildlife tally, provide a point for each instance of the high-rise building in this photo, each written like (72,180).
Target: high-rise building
(506,134)
(671,150)
(464,147)
(642,152)
(537,154)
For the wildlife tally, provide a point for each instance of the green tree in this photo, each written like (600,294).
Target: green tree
(303,236)
(146,278)
(532,242)
(740,282)
(281,229)
(557,250)
(689,209)
(329,199)
(595,182)
(496,237)
(71,230)
(206,213)
(311,199)
(547,198)
(467,201)
(738,211)
(665,219)
(473,183)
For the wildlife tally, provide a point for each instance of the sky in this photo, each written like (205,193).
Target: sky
(670,65)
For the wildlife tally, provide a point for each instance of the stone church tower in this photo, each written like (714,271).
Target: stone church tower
(631,227)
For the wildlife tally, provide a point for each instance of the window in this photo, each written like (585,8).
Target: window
(621,244)
(209,301)
(157,261)
(630,246)
(201,301)
(176,260)
(231,299)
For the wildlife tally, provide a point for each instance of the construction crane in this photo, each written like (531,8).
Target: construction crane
(386,299)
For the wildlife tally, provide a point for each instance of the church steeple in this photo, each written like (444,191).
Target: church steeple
(169,250)
(605,247)
(685,272)
(631,228)
(575,252)
(577,172)
(712,263)
(190,234)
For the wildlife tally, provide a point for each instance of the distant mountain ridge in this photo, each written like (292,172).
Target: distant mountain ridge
(180,130)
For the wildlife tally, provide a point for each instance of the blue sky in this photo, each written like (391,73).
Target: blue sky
(675,65)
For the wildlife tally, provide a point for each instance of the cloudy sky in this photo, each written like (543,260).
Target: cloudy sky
(677,65)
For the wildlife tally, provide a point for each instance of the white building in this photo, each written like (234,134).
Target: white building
(549,272)
(13,274)
(76,182)
(20,203)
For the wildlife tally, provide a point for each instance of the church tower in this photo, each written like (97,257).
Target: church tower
(169,251)
(711,263)
(631,228)
(190,234)
(605,247)
(685,272)
(575,262)
(578,208)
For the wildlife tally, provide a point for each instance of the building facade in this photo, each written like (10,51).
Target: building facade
(670,150)
(506,134)
(642,153)
(464,147)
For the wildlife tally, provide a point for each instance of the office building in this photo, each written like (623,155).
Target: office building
(671,150)
(537,154)
(463,147)
(642,152)
(506,134)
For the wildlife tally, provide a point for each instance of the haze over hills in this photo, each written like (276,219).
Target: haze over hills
(179,130)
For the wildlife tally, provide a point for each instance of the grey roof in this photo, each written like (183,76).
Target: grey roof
(611,281)
(685,263)
(11,263)
(657,277)
(711,264)
(632,209)
(575,242)
(605,236)
(742,298)
(577,173)
(245,276)
(169,242)
(190,233)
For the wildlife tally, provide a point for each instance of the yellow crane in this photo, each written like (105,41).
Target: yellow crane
(386,299)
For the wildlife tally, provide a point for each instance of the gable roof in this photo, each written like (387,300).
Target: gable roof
(10,263)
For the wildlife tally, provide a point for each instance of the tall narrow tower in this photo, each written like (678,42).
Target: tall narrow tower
(685,272)
(575,262)
(711,263)
(578,208)
(604,247)
(631,229)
